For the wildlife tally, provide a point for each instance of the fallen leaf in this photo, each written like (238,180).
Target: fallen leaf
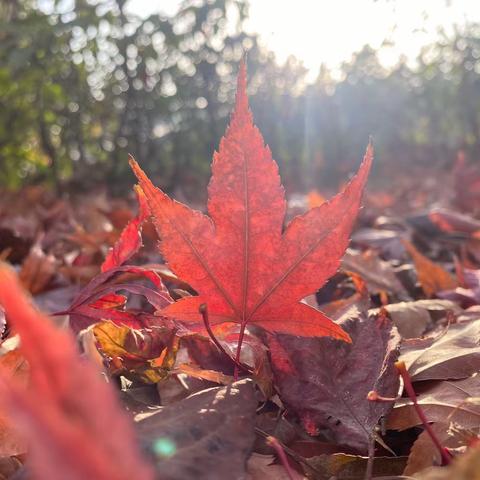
(315,199)
(464,467)
(261,467)
(424,453)
(360,300)
(237,259)
(413,318)
(11,468)
(386,242)
(378,274)
(13,365)
(469,293)
(326,382)
(3,322)
(148,354)
(207,436)
(85,311)
(432,277)
(68,408)
(38,270)
(450,221)
(352,467)
(452,354)
(441,401)
(467,184)
(210,375)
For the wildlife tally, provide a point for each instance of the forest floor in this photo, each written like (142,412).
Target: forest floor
(407,293)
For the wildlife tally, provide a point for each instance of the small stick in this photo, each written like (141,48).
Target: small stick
(204,312)
(273,442)
(402,370)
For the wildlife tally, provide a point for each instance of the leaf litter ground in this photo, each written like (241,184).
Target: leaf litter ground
(247,346)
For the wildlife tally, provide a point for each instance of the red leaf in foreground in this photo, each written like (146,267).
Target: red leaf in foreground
(71,417)
(237,259)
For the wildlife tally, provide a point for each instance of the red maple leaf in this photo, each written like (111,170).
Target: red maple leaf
(130,240)
(238,259)
(71,417)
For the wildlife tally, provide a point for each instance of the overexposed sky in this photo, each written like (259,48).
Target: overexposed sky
(329,31)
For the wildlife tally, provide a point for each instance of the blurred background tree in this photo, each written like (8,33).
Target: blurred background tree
(84,83)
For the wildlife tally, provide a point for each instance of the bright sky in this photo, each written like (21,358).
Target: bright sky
(329,31)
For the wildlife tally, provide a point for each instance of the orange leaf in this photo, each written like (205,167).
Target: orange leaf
(70,415)
(432,277)
(237,258)
(11,443)
(315,199)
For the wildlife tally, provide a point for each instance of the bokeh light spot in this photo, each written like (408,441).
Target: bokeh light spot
(164,447)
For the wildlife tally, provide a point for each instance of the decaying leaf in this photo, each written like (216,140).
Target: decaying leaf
(210,375)
(425,454)
(148,354)
(261,467)
(449,355)
(451,221)
(467,184)
(468,294)
(326,382)
(352,467)
(378,274)
(207,436)
(37,269)
(465,467)
(237,258)
(68,408)
(441,401)
(413,318)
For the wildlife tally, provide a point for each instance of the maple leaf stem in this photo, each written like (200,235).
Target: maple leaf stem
(239,351)
(204,312)
(291,453)
(374,396)
(444,453)
(371,458)
(273,442)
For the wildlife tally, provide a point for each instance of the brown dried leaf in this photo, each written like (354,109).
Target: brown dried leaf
(207,436)
(261,467)
(441,402)
(451,355)
(464,467)
(425,454)
(378,274)
(37,270)
(352,467)
(210,375)
(412,318)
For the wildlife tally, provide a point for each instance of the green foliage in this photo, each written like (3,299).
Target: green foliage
(82,87)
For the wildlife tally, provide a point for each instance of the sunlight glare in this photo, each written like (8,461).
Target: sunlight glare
(330,31)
